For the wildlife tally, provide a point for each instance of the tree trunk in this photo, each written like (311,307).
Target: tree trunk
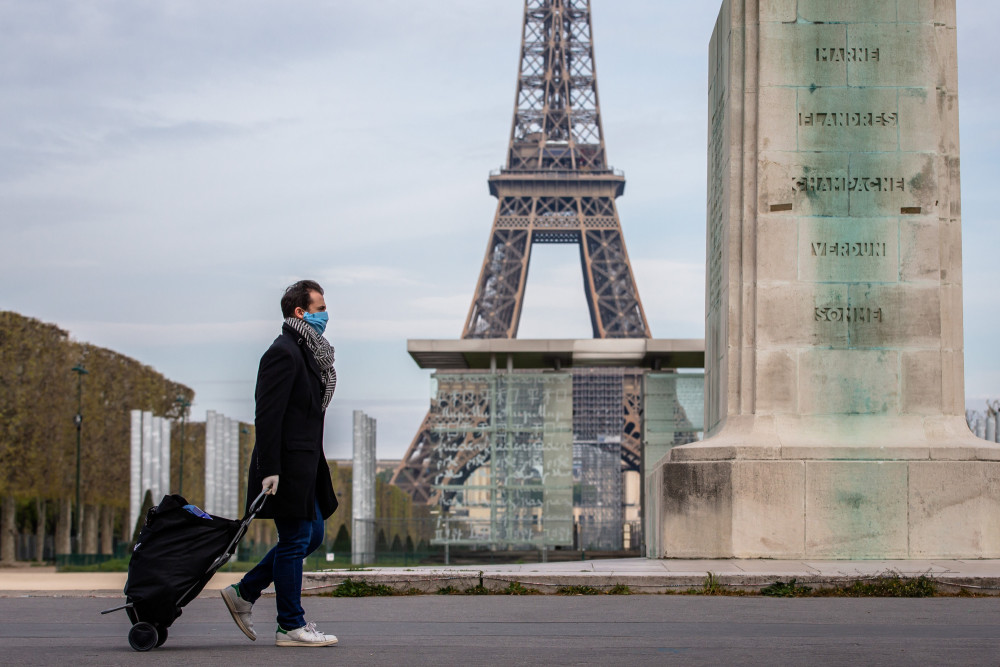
(255,537)
(89,529)
(64,528)
(40,529)
(126,534)
(8,531)
(107,527)
(78,528)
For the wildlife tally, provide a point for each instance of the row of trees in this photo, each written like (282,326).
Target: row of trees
(38,400)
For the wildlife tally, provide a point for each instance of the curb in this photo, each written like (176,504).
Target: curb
(430,581)
(319,583)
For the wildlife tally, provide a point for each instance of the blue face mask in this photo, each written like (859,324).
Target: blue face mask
(317,321)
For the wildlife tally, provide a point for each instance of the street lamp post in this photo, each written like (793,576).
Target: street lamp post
(78,422)
(185,404)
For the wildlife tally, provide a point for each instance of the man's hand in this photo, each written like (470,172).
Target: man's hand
(270,485)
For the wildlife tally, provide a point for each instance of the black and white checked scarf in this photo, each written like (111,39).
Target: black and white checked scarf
(323,353)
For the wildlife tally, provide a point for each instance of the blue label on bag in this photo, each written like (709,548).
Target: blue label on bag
(197,511)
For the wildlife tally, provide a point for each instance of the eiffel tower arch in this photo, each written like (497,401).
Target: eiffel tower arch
(556,186)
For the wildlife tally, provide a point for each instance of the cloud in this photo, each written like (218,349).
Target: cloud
(454,306)
(368,274)
(393,329)
(133,334)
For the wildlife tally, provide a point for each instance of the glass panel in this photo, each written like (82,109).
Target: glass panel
(507,456)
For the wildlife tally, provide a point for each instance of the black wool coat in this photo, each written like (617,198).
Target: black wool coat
(289,424)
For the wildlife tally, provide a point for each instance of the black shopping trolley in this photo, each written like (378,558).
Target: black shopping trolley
(176,555)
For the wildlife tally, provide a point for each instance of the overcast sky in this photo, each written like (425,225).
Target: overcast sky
(167,168)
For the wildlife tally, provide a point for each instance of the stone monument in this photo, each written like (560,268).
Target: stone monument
(834,366)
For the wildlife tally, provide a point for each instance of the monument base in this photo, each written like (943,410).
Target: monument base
(898,488)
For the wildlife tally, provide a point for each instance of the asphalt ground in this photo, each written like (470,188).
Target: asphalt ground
(527,630)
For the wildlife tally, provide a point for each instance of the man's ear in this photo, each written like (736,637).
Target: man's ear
(299,313)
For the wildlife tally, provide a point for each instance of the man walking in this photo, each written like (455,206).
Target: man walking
(295,383)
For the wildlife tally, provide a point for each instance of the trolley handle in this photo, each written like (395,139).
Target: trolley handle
(256,505)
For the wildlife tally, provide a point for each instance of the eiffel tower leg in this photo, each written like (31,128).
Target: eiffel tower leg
(411,473)
(450,444)
(496,308)
(588,289)
(614,303)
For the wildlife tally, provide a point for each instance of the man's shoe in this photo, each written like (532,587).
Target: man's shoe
(307,635)
(240,609)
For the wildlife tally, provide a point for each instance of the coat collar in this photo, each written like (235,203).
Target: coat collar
(306,352)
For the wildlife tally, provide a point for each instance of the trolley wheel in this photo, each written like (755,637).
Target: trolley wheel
(142,636)
(161,633)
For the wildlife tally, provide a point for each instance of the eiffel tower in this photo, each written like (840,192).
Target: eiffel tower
(556,187)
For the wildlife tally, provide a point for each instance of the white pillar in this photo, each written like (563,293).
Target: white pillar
(225,506)
(233,474)
(220,462)
(165,456)
(135,468)
(363,491)
(155,441)
(147,445)
(210,462)
(222,472)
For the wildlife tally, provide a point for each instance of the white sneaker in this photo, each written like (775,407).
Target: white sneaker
(240,609)
(307,635)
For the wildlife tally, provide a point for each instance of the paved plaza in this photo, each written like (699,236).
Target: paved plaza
(532,630)
(53,618)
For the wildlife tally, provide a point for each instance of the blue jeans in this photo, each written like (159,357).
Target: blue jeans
(297,538)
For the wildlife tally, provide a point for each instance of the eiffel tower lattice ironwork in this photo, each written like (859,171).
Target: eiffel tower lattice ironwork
(556,187)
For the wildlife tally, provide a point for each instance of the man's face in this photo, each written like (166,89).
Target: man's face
(317,304)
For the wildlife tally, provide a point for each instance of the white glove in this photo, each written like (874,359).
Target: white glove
(270,485)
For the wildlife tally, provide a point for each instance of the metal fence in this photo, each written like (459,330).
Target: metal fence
(451,538)
(984,424)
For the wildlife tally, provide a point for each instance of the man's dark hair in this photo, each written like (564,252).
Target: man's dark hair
(298,296)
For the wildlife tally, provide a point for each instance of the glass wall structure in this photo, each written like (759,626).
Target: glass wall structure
(535,459)
(505,461)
